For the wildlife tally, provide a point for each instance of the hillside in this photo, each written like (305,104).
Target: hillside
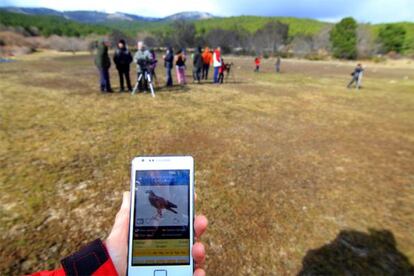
(50,24)
(249,23)
(253,23)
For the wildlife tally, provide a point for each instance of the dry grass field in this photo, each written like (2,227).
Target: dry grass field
(296,173)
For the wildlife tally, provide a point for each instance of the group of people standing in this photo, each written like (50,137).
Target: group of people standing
(203,60)
(146,61)
(146,64)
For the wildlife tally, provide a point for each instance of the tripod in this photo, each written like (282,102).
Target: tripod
(147,77)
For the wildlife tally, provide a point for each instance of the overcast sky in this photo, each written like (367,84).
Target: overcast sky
(373,11)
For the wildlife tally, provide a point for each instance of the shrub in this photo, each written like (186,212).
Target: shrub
(392,38)
(344,39)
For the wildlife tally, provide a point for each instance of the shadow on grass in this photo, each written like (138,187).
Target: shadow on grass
(174,88)
(358,253)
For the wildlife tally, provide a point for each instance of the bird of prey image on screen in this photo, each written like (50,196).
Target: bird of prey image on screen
(160,203)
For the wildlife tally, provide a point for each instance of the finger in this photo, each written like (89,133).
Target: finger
(195,196)
(199,272)
(124,209)
(200,225)
(199,253)
(122,217)
(126,200)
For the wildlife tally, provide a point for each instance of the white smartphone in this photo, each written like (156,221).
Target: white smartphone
(161,220)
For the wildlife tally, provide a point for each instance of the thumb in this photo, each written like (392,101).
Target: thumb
(122,217)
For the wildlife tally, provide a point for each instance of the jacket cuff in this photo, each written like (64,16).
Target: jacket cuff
(92,259)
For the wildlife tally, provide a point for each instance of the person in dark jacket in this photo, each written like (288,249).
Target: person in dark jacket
(122,60)
(277,64)
(153,66)
(356,76)
(197,65)
(168,64)
(103,63)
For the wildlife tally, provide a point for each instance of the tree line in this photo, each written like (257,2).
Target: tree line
(346,40)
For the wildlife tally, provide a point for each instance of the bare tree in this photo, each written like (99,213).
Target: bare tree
(67,44)
(183,34)
(321,41)
(302,45)
(226,39)
(366,45)
(117,35)
(271,37)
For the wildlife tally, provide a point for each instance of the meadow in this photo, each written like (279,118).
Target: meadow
(296,173)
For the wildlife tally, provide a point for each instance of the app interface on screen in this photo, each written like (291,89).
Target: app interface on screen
(161,218)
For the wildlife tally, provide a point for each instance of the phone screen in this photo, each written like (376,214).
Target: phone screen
(161,218)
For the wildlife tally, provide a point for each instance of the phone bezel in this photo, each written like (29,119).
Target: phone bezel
(161,163)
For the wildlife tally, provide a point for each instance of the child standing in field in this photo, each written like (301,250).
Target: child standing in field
(180,67)
(221,71)
(257,63)
(277,64)
(356,76)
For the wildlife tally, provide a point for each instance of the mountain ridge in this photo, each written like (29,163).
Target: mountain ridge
(85,16)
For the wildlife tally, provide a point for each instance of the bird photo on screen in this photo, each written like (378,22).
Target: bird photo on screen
(160,203)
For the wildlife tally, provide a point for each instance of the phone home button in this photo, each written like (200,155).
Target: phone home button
(160,272)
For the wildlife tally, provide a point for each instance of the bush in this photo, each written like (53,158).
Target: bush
(392,38)
(315,57)
(344,39)
(378,59)
(67,44)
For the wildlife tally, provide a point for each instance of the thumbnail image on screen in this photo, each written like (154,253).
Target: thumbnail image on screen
(161,218)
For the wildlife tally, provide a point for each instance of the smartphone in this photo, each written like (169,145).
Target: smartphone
(162,214)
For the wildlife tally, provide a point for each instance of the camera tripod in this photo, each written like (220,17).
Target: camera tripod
(147,77)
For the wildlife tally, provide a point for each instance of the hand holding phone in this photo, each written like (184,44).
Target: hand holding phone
(117,241)
(161,218)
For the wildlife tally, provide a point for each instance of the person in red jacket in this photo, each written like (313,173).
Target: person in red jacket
(257,62)
(110,257)
(223,68)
